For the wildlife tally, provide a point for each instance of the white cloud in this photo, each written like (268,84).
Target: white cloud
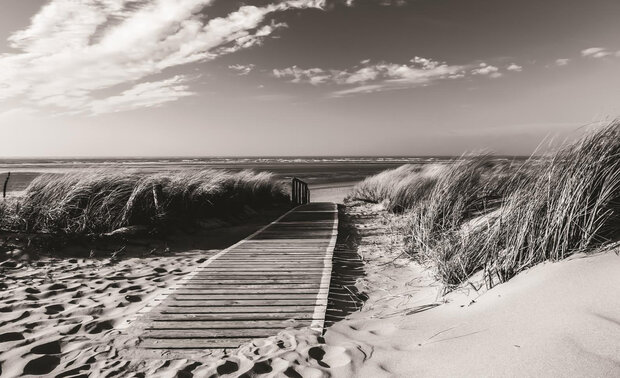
(486,70)
(312,76)
(73,50)
(242,69)
(514,67)
(144,95)
(562,62)
(384,76)
(596,52)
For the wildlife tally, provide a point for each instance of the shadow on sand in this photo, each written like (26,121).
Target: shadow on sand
(348,266)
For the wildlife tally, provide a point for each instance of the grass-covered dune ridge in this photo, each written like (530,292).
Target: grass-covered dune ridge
(473,216)
(104,200)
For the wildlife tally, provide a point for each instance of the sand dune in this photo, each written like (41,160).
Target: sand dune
(59,318)
(556,319)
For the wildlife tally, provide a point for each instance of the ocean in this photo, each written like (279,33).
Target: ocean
(316,171)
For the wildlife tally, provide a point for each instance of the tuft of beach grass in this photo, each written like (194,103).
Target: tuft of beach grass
(101,201)
(474,215)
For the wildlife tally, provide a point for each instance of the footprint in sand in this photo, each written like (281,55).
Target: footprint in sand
(262,367)
(57,286)
(290,372)
(73,330)
(42,365)
(32,290)
(98,327)
(53,347)
(11,336)
(227,367)
(329,356)
(318,353)
(53,309)
(133,298)
(130,288)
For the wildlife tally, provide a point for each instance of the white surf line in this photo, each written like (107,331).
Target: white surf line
(169,291)
(320,308)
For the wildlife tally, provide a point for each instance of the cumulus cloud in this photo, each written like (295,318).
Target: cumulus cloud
(596,52)
(514,67)
(242,69)
(562,62)
(75,50)
(368,78)
(486,70)
(312,76)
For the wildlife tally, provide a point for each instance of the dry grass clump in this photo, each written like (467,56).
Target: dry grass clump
(102,201)
(410,186)
(465,189)
(571,204)
(413,189)
(381,186)
(564,203)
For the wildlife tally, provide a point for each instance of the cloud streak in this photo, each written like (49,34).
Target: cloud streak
(598,52)
(378,77)
(75,50)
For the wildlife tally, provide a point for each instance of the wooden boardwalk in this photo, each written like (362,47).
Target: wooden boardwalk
(274,279)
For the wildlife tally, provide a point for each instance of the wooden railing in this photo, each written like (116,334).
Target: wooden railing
(6,182)
(300,194)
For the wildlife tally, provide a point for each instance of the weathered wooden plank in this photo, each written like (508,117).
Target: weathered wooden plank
(253,281)
(279,252)
(240,302)
(222,343)
(283,309)
(284,316)
(229,324)
(185,290)
(270,260)
(249,287)
(245,275)
(236,296)
(249,274)
(251,333)
(262,268)
(285,271)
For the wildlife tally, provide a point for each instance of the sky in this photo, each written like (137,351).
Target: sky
(303,77)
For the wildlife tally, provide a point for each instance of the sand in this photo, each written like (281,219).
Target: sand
(556,319)
(59,314)
(331,192)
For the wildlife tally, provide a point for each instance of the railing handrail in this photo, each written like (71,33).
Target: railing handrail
(300,193)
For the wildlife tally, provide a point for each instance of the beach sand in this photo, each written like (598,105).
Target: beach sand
(556,319)
(62,314)
(335,191)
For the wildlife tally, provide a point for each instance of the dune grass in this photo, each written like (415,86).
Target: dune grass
(473,215)
(570,204)
(103,200)
(381,186)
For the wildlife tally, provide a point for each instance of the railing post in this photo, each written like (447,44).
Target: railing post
(6,182)
(300,193)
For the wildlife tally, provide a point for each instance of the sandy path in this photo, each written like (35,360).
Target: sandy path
(331,192)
